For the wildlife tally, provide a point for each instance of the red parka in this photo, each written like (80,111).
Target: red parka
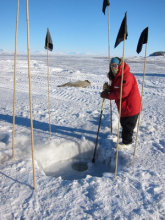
(131,99)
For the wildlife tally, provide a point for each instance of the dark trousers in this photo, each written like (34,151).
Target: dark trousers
(128,124)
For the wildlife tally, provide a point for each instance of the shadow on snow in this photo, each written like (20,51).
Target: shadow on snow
(149,74)
(62,130)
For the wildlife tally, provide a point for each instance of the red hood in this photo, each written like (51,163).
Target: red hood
(126,69)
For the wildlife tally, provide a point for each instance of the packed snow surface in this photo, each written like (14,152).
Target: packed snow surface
(62,192)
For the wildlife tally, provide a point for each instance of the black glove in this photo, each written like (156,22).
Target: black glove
(104,94)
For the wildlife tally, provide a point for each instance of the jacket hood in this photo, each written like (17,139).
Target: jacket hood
(126,69)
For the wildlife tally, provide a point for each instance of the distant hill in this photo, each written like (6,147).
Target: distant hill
(4,51)
(159,53)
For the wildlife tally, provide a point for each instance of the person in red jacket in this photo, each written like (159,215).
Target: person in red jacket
(131,100)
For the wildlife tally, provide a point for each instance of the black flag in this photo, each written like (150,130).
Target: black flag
(48,41)
(122,31)
(105,4)
(142,40)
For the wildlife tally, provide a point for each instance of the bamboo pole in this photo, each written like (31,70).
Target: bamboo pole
(108,35)
(121,88)
(48,93)
(109,67)
(14,94)
(30,95)
(141,101)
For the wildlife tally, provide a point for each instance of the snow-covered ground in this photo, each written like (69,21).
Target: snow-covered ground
(138,191)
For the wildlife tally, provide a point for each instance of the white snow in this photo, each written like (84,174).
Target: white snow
(138,191)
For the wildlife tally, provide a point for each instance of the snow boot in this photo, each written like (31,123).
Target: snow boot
(122,146)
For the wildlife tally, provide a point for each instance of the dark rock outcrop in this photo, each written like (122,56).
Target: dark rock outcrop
(159,53)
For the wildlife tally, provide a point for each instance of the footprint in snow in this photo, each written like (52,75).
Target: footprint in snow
(4,138)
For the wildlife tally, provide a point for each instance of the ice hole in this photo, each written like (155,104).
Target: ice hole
(80,166)
(74,169)
(72,162)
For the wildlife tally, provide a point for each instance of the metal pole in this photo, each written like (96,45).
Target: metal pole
(102,107)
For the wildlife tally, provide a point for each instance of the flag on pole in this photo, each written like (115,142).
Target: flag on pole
(142,40)
(105,4)
(48,41)
(122,31)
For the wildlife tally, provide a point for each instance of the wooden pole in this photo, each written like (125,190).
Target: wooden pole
(30,95)
(109,67)
(121,88)
(141,101)
(14,94)
(48,92)
(108,36)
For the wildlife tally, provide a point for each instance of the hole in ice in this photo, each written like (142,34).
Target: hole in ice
(74,169)
(80,166)
(71,160)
